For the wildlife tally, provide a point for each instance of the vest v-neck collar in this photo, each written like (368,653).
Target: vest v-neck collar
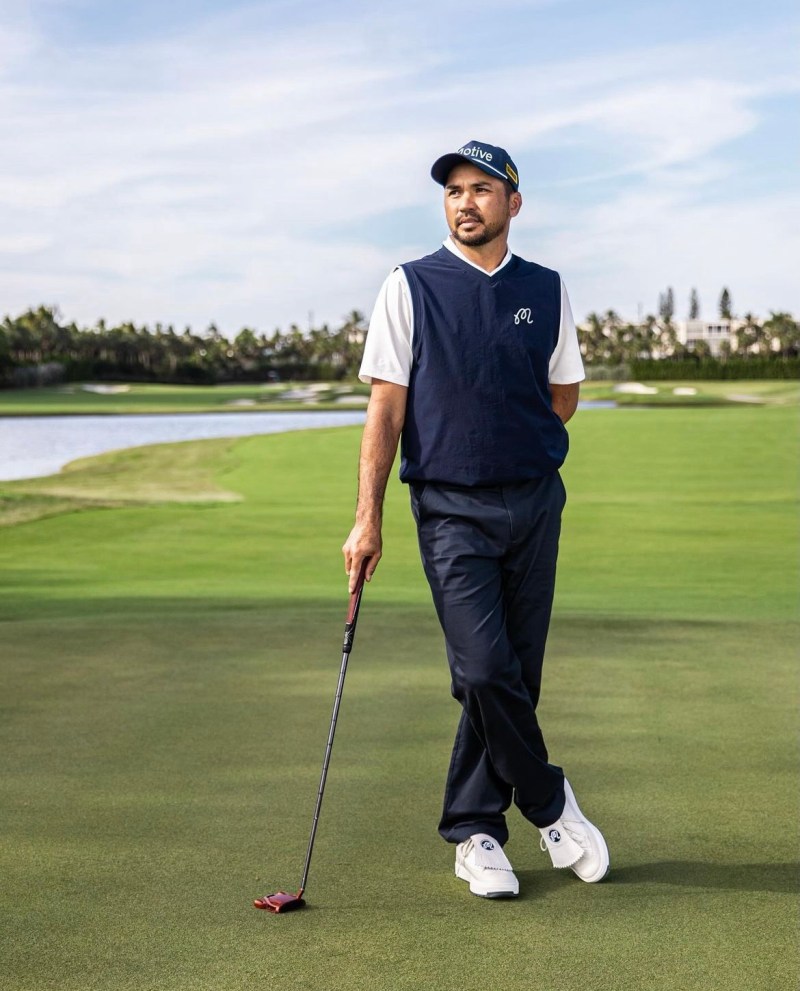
(453,248)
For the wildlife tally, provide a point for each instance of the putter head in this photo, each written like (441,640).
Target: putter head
(281,901)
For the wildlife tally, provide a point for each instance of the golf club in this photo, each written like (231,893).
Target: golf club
(283,901)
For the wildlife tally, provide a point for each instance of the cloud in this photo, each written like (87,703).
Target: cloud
(629,251)
(245,170)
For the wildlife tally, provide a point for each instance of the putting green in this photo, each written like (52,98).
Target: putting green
(168,671)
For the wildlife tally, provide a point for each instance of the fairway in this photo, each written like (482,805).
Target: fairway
(170,653)
(140,397)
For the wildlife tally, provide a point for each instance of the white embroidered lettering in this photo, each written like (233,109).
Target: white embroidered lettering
(523,315)
(476,153)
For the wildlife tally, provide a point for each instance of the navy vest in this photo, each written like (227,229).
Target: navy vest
(479,410)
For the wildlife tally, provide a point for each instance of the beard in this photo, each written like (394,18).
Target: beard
(479,236)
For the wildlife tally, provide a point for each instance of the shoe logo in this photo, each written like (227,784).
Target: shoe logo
(523,315)
(555,836)
(487,844)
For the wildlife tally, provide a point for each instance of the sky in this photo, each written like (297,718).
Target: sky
(263,164)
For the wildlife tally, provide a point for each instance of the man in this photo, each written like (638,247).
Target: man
(473,358)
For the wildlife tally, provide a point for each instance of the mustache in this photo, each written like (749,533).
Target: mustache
(469,215)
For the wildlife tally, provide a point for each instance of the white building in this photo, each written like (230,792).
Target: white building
(711,332)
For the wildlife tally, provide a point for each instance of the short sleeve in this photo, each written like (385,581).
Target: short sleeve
(566,364)
(387,351)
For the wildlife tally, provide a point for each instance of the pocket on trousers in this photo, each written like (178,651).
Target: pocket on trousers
(417,492)
(563,489)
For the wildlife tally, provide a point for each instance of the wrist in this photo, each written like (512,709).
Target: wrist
(372,519)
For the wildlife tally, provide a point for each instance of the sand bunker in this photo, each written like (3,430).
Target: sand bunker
(635,389)
(105,390)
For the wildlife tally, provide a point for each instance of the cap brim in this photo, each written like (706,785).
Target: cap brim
(443,166)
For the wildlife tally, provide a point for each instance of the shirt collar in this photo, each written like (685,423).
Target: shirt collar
(450,244)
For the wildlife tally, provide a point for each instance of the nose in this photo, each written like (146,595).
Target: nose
(466,202)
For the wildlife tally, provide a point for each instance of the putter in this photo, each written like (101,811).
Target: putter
(283,901)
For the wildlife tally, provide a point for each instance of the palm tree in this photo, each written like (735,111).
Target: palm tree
(784,331)
(749,336)
(667,339)
(591,339)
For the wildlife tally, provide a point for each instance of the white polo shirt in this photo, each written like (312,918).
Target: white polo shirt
(388,354)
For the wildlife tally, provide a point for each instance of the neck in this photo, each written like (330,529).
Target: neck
(486,256)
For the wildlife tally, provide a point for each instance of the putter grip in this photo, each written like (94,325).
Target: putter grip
(352,612)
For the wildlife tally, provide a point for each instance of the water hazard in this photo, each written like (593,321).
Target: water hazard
(31,446)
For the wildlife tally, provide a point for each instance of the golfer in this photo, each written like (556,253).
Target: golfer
(473,357)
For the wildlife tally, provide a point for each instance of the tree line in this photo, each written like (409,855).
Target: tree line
(607,339)
(666,304)
(37,348)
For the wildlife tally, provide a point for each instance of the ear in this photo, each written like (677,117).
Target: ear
(514,204)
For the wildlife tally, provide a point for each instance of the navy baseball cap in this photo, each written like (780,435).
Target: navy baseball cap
(494,161)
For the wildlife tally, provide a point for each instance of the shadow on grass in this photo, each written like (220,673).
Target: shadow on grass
(781,878)
(722,877)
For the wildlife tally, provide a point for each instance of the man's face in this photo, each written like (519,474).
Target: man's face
(477,206)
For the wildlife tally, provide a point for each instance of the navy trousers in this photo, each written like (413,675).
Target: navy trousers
(489,555)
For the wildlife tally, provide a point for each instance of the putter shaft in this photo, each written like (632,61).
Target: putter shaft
(347,646)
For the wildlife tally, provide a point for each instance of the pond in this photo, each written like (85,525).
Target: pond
(31,446)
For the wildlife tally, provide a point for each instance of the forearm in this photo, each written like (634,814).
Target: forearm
(565,400)
(378,450)
(385,417)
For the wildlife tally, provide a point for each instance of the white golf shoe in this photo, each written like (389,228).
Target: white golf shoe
(481,861)
(573,841)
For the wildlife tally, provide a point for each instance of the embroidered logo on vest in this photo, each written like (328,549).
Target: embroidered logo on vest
(523,315)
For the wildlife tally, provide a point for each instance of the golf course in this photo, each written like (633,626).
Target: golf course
(172,622)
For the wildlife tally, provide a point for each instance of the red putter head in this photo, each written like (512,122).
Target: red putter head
(281,901)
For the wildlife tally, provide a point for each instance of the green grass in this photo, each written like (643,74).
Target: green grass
(149,398)
(168,671)
(158,473)
(759,392)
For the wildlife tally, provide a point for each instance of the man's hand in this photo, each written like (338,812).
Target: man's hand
(385,416)
(364,541)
